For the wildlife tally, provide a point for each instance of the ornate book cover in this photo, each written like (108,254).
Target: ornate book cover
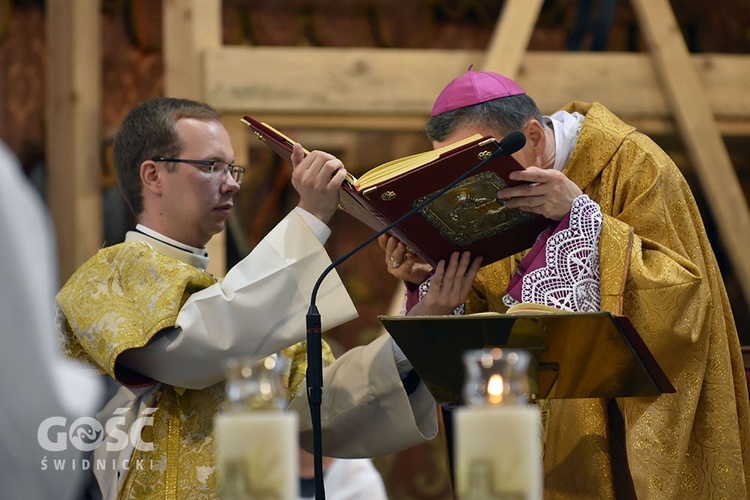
(466,217)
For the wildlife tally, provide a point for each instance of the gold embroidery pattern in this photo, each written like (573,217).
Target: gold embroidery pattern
(182,463)
(665,278)
(106,328)
(298,354)
(120,299)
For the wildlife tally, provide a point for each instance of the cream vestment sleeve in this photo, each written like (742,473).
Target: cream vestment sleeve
(366,411)
(258,309)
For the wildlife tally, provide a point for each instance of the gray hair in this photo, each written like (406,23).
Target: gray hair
(502,116)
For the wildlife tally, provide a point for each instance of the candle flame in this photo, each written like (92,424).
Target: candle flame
(495,389)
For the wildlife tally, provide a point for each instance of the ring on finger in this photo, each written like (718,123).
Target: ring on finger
(394,263)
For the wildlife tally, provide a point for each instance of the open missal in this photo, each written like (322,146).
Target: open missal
(466,217)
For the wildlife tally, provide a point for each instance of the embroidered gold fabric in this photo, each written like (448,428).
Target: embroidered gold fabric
(119,300)
(298,354)
(658,268)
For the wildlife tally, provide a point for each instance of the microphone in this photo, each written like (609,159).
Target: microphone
(507,146)
(510,143)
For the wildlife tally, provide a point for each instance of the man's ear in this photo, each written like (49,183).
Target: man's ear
(151,177)
(535,133)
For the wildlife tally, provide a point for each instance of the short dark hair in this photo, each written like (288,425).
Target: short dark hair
(148,131)
(502,116)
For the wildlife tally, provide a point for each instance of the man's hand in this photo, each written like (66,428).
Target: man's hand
(401,263)
(450,286)
(549,193)
(317,178)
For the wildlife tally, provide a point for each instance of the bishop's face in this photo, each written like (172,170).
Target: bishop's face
(526,156)
(197,202)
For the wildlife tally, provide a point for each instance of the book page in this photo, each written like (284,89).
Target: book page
(528,307)
(280,141)
(401,165)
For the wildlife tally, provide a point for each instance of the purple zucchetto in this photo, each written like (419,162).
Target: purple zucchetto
(472,88)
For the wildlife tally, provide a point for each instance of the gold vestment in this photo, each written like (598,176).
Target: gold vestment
(658,268)
(119,300)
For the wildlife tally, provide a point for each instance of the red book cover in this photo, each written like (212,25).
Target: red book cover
(466,217)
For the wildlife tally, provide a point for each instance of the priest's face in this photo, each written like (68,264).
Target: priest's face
(196,202)
(526,156)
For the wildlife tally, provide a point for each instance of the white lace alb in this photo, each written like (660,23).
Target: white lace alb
(570,280)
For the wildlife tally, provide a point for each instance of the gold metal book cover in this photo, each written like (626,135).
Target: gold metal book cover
(471,212)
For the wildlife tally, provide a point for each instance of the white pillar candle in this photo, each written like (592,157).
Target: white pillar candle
(257,455)
(498,452)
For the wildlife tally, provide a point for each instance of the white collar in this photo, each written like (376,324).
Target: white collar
(566,127)
(163,244)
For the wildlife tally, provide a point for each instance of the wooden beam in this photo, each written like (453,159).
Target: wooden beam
(510,39)
(655,126)
(190,27)
(393,88)
(298,120)
(687,96)
(73,95)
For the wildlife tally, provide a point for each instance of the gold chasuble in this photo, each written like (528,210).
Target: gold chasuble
(119,300)
(657,267)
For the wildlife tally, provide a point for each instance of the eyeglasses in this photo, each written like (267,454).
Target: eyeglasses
(211,166)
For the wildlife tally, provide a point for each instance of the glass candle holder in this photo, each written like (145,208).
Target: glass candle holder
(498,432)
(256,440)
(257,384)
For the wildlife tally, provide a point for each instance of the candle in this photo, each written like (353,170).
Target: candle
(498,452)
(256,454)
(498,438)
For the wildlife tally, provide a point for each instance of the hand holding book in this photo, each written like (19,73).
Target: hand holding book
(403,264)
(468,217)
(317,177)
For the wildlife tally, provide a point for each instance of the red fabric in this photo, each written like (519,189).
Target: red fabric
(536,258)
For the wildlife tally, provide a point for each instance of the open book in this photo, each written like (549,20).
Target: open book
(532,308)
(466,217)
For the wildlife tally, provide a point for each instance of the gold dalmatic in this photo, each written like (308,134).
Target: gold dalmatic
(119,300)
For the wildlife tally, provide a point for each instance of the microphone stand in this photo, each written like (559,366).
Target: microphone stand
(513,142)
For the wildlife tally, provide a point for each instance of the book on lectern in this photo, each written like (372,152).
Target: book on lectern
(466,217)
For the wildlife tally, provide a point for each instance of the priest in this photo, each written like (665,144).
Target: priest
(625,236)
(147,313)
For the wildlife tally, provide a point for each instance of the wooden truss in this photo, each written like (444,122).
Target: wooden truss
(663,91)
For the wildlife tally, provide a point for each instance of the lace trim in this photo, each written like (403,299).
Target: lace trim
(423,288)
(570,280)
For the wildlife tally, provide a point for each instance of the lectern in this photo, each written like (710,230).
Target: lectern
(579,355)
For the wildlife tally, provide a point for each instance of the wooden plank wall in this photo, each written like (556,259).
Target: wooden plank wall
(701,137)
(393,89)
(386,89)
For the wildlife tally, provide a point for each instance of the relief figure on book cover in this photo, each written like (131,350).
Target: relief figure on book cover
(471,212)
